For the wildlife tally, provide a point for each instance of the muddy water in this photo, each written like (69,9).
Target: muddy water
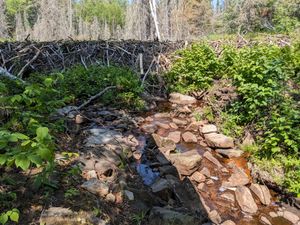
(212,193)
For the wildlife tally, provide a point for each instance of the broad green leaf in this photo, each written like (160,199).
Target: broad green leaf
(3,218)
(13,138)
(42,133)
(45,153)
(48,82)
(14,216)
(25,143)
(3,159)
(23,162)
(3,144)
(35,159)
(21,136)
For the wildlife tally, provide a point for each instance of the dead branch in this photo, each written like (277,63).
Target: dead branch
(5,73)
(95,97)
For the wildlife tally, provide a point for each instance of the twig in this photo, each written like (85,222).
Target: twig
(28,63)
(5,73)
(95,96)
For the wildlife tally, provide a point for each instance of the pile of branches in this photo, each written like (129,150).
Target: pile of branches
(22,58)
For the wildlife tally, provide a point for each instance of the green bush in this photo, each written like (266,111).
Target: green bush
(88,82)
(267,82)
(194,68)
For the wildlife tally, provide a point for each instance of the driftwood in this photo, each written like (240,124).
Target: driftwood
(5,73)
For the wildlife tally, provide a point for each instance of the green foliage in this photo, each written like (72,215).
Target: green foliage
(194,68)
(71,193)
(267,83)
(111,12)
(12,215)
(88,82)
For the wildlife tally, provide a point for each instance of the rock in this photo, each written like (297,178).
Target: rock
(179,122)
(215,217)
(184,109)
(163,216)
(209,128)
(293,218)
(110,197)
(228,222)
(273,214)
(149,128)
(69,111)
(201,186)
(228,197)
(265,220)
(160,185)
(194,126)
(181,99)
(189,137)
(245,200)
(218,141)
(96,187)
(186,163)
(161,115)
(198,177)
(210,157)
(79,119)
(230,153)
(137,155)
(205,172)
(129,195)
(238,178)
(104,167)
(162,159)
(91,174)
(162,125)
(248,139)
(147,174)
(164,144)
(262,192)
(173,126)
(175,136)
(102,136)
(165,170)
(209,182)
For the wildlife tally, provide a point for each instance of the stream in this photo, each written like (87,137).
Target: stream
(218,198)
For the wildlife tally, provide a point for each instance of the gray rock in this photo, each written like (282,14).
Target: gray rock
(218,141)
(187,162)
(102,136)
(262,192)
(129,195)
(179,121)
(96,187)
(110,197)
(194,126)
(245,200)
(238,178)
(181,99)
(209,128)
(163,216)
(230,153)
(160,185)
(189,137)
(91,174)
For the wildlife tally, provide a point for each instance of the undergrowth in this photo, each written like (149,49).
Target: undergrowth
(27,127)
(267,81)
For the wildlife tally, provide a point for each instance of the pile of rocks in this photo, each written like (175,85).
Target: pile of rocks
(229,183)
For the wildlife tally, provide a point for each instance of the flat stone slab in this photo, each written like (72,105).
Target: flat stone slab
(218,141)
(181,99)
(209,128)
(189,137)
(230,153)
(245,200)
(186,163)
(238,178)
(262,192)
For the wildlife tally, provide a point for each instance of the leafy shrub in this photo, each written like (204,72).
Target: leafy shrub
(267,82)
(88,82)
(194,68)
